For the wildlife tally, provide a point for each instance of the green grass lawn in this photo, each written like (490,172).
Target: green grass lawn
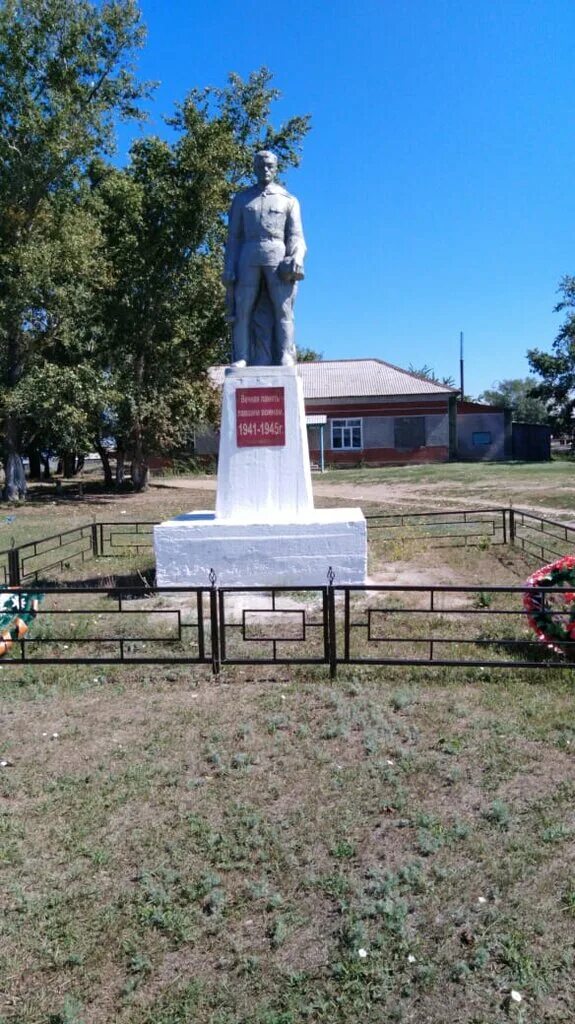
(559,471)
(546,484)
(549,485)
(270,847)
(393,847)
(46,514)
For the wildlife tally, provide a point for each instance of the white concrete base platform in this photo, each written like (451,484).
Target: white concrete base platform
(247,554)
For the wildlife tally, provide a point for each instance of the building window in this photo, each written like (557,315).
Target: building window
(409,431)
(481,437)
(346,434)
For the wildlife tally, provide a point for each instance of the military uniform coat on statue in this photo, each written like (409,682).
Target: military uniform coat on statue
(264,233)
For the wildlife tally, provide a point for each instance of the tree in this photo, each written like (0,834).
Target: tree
(64,274)
(429,373)
(62,407)
(557,369)
(517,394)
(308,355)
(65,75)
(163,218)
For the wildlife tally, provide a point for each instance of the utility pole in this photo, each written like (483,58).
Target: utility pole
(461,364)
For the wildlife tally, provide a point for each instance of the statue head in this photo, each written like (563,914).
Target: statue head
(265,166)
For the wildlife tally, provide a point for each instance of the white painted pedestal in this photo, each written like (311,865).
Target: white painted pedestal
(257,481)
(265,530)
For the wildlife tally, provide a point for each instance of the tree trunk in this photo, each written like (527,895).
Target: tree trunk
(140,471)
(105,460)
(15,486)
(69,464)
(46,475)
(120,467)
(35,464)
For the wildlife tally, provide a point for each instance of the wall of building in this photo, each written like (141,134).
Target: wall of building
(531,442)
(483,432)
(378,421)
(378,418)
(381,456)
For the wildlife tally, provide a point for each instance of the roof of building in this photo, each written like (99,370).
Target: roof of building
(350,378)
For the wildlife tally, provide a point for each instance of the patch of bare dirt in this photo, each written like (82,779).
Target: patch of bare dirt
(548,769)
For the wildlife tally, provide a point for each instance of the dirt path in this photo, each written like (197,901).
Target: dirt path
(393,495)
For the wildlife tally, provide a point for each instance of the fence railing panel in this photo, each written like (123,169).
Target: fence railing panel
(283,625)
(333,625)
(456,528)
(537,537)
(542,539)
(388,625)
(325,625)
(102,625)
(124,539)
(4,568)
(39,557)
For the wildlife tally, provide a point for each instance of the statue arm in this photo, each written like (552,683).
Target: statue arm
(233,243)
(295,242)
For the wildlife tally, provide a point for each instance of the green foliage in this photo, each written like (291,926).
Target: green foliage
(111,305)
(65,76)
(557,369)
(429,374)
(308,355)
(61,400)
(498,814)
(61,406)
(519,395)
(163,218)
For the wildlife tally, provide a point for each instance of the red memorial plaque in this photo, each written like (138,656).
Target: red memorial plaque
(260,417)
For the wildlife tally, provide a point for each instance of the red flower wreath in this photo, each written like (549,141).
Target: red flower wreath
(552,615)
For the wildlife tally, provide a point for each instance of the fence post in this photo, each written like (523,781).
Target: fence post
(512,526)
(95,547)
(14,567)
(332,641)
(214,624)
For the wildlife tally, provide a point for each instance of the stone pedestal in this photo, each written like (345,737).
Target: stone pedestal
(265,531)
(263,465)
(289,554)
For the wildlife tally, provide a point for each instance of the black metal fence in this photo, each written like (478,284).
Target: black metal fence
(6,577)
(540,539)
(35,559)
(332,626)
(82,623)
(458,528)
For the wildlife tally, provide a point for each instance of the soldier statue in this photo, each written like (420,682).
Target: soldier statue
(263,263)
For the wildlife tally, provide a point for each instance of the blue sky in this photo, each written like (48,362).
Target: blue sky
(437,181)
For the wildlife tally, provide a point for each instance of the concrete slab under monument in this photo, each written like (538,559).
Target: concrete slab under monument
(268,554)
(265,530)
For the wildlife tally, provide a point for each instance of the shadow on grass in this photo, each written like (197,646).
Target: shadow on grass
(90,492)
(538,653)
(133,584)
